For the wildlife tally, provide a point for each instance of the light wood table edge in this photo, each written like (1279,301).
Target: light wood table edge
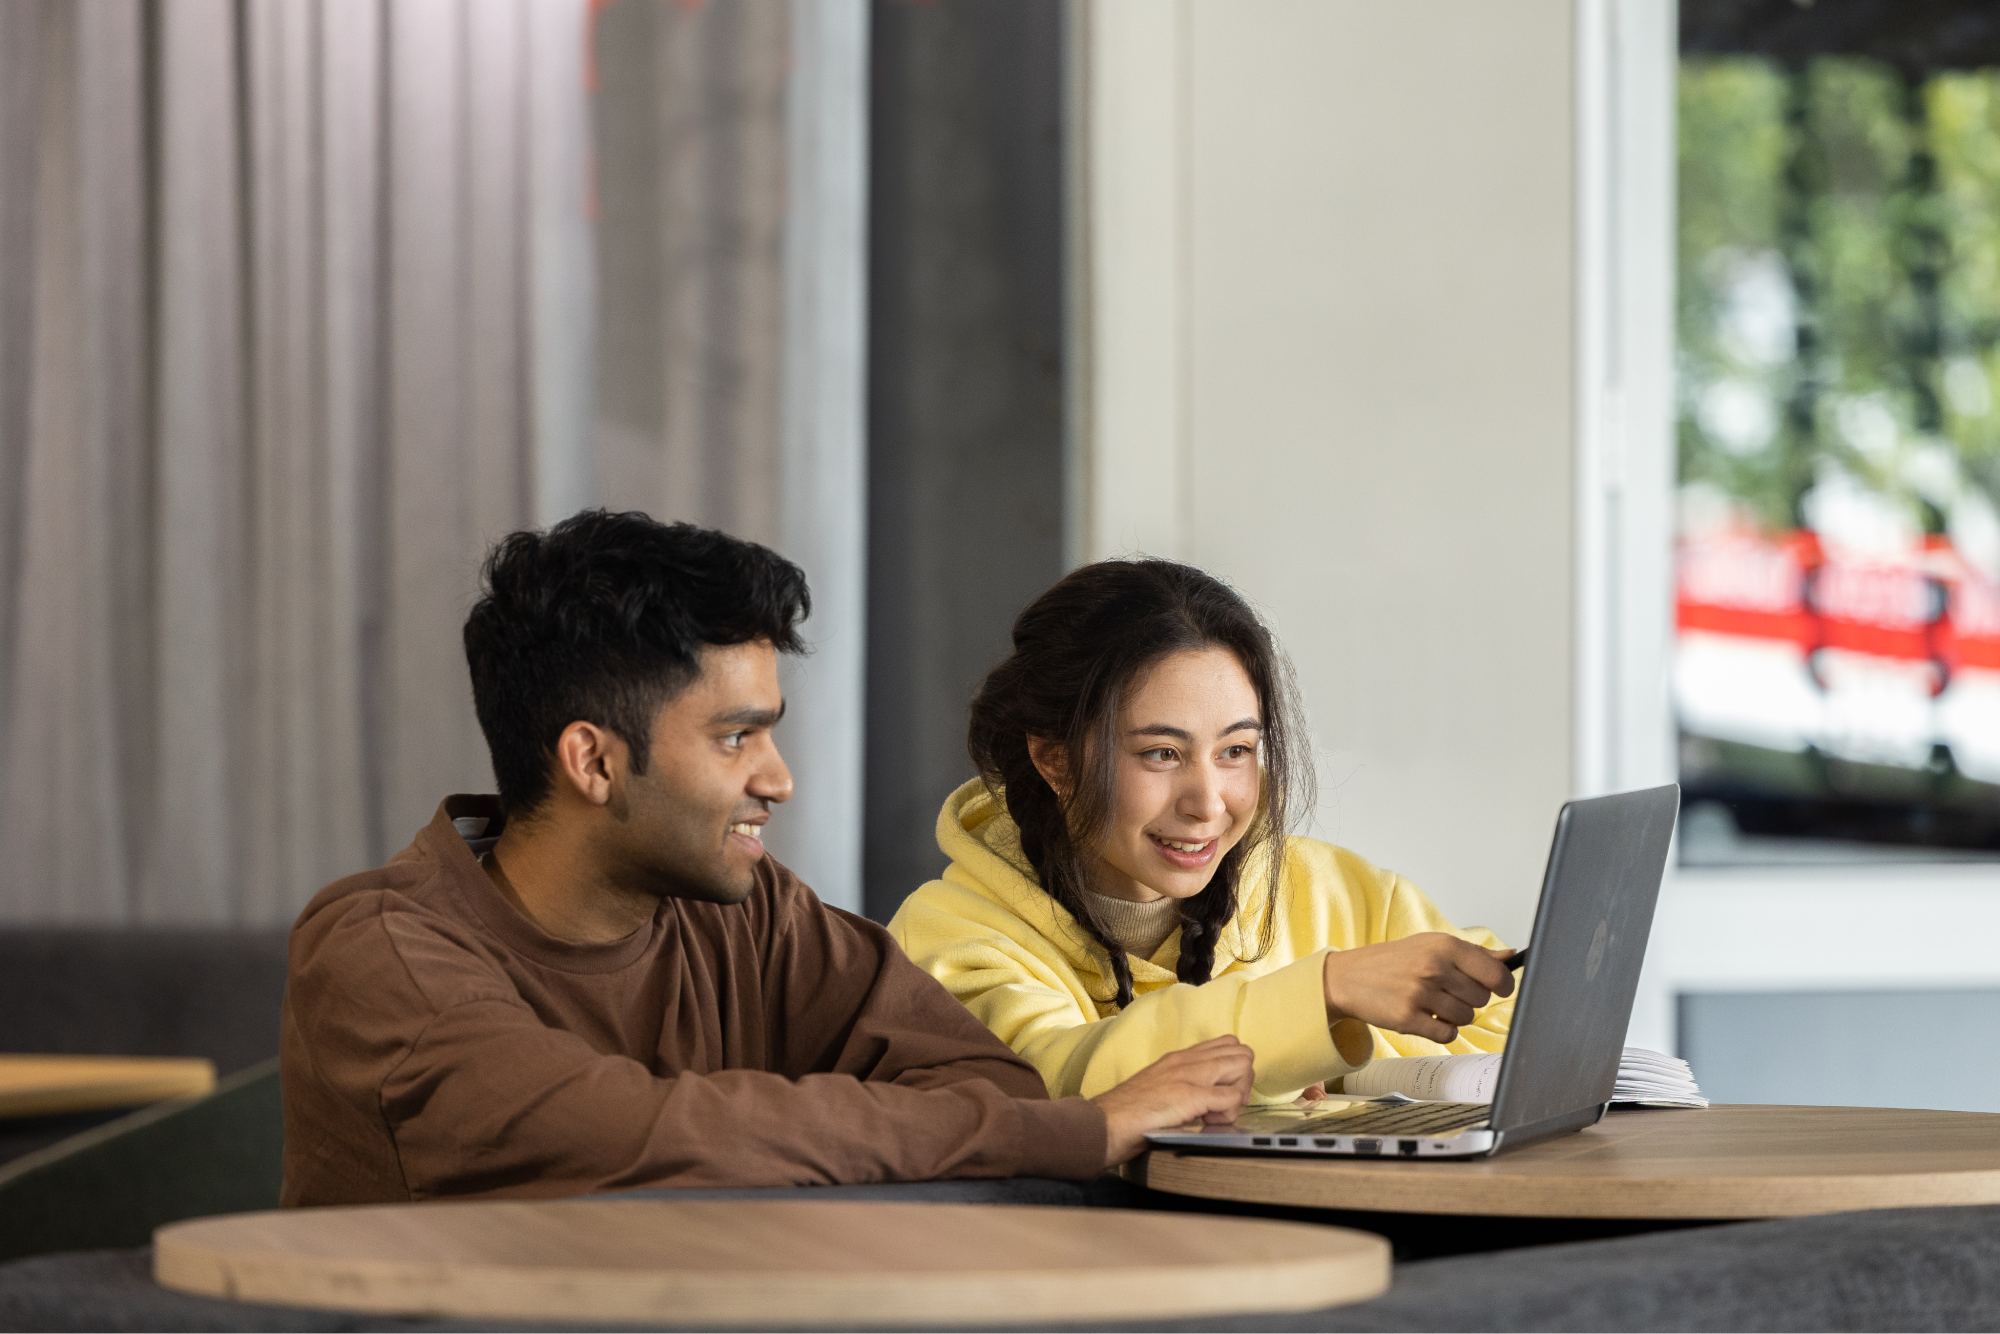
(120,1082)
(1729,1161)
(1355,1270)
(1745,1197)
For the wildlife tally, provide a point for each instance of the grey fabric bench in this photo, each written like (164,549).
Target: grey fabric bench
(1896,1269)
(156,991)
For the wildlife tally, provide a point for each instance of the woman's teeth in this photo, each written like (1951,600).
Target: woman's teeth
(1183,847)
(748,831)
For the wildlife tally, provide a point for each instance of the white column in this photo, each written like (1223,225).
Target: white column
(823,459)
(1626,55)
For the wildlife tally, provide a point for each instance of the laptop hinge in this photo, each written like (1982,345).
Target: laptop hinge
(1513,1137)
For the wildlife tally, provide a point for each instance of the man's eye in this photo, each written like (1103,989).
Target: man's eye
(735,740)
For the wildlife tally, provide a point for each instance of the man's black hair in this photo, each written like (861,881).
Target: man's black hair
(602,619)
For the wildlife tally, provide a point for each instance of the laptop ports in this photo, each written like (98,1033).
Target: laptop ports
(1287,1142)
(1325,1142)
(1261,1141)
(1368,1146)
(1407,1147)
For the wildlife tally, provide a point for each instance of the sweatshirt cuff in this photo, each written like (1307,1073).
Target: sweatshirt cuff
(1287,1010)
(1066,1139)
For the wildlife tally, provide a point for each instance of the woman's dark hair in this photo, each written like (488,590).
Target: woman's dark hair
(1078,649)
(602,619)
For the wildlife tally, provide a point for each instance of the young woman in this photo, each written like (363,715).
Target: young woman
(1111,895)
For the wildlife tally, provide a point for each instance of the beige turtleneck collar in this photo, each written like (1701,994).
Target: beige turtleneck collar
(1138,928)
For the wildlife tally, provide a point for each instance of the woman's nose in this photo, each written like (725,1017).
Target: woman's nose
(1202,799)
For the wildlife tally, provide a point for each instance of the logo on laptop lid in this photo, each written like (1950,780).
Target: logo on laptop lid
(1597,943)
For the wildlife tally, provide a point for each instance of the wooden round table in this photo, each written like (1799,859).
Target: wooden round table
(718,1262)
(1719,1162)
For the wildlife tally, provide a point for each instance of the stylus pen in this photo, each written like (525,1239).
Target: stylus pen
(1520,959)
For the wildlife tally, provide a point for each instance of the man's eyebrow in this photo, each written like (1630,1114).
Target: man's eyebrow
(749,716)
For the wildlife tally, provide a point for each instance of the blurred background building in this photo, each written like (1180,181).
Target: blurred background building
(1593,394)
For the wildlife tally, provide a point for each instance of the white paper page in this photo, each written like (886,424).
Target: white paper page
(1656,1079)
(1459,1078)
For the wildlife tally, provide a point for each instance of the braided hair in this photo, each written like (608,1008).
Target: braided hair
(1078,649)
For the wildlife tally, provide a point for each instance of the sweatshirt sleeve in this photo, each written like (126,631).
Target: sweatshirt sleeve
(492,1102)
(1406,910)
(1018,985)
(479,1096)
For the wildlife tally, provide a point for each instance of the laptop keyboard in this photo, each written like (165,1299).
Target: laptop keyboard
(1422,1118)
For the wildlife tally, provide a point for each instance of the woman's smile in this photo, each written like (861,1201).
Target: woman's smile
(1184,854)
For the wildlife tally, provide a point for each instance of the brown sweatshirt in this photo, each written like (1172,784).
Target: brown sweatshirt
(438,1043)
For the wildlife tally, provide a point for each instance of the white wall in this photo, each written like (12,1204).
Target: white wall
(1329,324)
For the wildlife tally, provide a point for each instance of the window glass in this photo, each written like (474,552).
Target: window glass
(1837,654)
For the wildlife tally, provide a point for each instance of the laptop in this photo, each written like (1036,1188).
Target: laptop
(1570,1017)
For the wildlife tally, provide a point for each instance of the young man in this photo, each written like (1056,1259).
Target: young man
(599,980)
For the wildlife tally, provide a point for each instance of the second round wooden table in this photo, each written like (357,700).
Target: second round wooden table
(1719,1162)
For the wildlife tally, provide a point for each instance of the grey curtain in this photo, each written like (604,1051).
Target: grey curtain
(300,310)
(266,326)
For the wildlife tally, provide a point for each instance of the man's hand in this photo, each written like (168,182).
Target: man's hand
(1427,984)
(1205,1082)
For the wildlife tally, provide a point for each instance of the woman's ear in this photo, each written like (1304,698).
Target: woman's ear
(1051,762)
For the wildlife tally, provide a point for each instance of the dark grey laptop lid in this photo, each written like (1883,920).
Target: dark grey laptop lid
(1596,911)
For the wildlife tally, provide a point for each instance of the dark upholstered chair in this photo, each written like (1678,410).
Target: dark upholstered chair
(143,991)
(111,1186)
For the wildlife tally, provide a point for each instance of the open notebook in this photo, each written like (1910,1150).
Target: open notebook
(1645,1079)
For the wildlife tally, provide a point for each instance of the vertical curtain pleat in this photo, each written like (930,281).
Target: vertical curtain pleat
(442,511)
(20,130)
(302,787)
(120,389)
(201,604)
(348,629)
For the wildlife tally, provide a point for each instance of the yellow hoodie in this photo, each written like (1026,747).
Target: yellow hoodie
(1018,960)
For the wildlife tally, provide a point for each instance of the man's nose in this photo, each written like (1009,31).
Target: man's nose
(773,779)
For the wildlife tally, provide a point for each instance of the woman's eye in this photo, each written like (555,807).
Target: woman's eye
(1239,752)
(1163,754)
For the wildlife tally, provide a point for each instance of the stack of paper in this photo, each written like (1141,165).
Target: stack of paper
(1645,1079)
(1649,1079)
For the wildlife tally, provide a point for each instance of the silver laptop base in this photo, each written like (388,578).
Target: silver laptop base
(1473,1142)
